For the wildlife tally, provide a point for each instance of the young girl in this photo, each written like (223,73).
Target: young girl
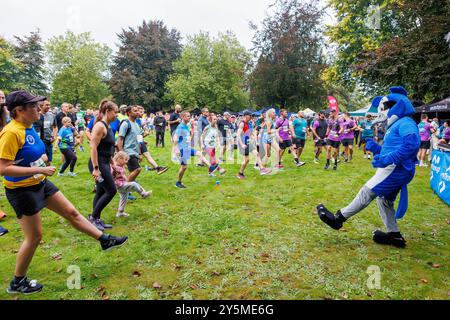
(66,140)
(122,184)
(209,140)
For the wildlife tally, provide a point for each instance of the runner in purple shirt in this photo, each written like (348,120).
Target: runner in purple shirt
(335,129)
(282,127)
(446,135)
(348,136)
(425,131)
(319,130)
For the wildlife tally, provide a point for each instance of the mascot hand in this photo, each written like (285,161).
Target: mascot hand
(380,162)
(373,147)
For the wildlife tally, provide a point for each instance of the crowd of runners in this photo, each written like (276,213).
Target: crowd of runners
(32,131)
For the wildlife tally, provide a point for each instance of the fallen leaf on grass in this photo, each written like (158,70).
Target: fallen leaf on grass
(193,287)
(424,281)
(156,285)
(176,267)
(100,289)
(94,276)
(57,256)
(58,271)
(344,295)
(106,298)
(215,273)
(136,274)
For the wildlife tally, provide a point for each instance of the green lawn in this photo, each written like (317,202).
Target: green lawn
(253,239)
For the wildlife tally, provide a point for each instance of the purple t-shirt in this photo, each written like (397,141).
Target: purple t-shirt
(335,127)
(447,133)
(348,133)
(425,132)
(284,131)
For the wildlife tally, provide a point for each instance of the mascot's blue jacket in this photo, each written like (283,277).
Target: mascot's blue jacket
(396,159)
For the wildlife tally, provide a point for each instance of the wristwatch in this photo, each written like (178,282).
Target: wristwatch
(96,168)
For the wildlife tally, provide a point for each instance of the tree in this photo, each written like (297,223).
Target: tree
(78,69)
(211,72)
(144,63)
(407,48)
(30,52)
(288,49)
(10,67)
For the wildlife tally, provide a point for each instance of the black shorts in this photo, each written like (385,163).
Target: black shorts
(364,139)
(28,201)
(348,142)
(143,147)
(133,163)
(320,143)
(298,143)
(246,151)
(333,144)
(285,144)
(425,145)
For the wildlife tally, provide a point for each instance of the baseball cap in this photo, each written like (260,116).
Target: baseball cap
(21,98)
(226,114)
(247,113)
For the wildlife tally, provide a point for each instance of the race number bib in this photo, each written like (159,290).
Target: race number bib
(40,163)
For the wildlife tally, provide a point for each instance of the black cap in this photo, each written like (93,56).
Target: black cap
(21,98)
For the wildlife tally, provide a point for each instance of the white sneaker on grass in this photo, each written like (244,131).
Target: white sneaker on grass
(122,215)
(146,194)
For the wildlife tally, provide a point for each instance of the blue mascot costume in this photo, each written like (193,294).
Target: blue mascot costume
(395,162)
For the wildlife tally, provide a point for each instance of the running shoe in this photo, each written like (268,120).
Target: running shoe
(61,175)
(316,161)
(131,197)
(3,231)
(301,164)
(72,174)
(211,175)
(240,176)
(369,157)
(161,170)
(222,171)
(365,156)
(96,223)
(81,148)
(327,166)
(104,225)
(335,167)
(265,171)
(146,194)
(113,242)
(213,168)
(147,168)
(180,185)
(122,215)
(334,221)
(24,287)
(394,239)
(256,168)
(201,165)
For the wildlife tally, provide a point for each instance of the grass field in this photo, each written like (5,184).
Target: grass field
(253,239)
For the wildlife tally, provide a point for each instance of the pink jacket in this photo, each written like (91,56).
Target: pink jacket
(120,177)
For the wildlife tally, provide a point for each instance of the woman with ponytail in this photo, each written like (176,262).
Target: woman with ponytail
(102,151)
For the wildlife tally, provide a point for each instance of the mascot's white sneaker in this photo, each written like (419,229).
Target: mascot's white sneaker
(393,239)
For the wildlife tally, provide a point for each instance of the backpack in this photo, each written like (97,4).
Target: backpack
(128,129)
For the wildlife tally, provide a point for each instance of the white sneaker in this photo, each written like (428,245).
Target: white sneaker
(369,157)
(122,215)
(211,174)
(61,174)
(256,168)
(146,194)
(316,161)
(365,156)
(72,174)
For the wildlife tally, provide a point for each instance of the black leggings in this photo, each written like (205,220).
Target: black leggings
(357,135)
(106,190)
(71,160)
(159,137)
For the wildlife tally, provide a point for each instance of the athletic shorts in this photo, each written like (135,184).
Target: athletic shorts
(143,147)
(298,143)
(364,139)
(333,144)
(133,163)
(425,145)
(348,142)
(285,144)
(320,143)
(28,201)
(186,154)
(247,150)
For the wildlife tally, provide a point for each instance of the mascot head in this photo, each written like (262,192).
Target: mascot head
(392,107)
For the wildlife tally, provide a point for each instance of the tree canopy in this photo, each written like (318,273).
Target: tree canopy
(211,72)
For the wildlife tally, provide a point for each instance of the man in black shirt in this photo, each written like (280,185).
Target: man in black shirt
(160,127)
(174,119)
(64,113)
(224,126)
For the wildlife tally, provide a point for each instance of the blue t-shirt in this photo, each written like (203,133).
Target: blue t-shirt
(184,136)
(67,138)
(300,127)
(114,125)
(367,126)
